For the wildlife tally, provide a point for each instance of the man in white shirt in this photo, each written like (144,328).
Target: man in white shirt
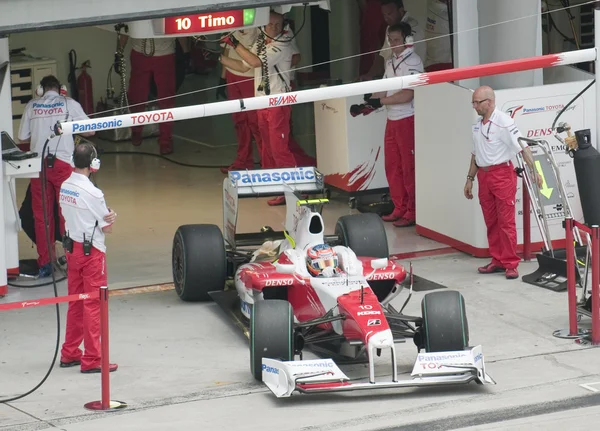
(400,128)
(87,219)
(240,85)
(394,13)
(37,124)
(437,34)
(271,59)
(495,143)
(153,59)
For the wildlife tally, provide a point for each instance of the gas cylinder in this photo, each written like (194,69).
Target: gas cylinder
(84,89)
(587,169)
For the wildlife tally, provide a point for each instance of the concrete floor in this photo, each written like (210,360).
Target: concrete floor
(184,366)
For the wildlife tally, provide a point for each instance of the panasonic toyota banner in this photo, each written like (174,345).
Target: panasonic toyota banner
(534,110)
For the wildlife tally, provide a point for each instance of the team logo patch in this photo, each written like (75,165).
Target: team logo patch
(374,322)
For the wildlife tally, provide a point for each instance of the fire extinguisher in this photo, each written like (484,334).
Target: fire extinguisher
(84,89)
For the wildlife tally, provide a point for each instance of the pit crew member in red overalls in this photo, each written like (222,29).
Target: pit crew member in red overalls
(394,13)
(39,118)
(437,34)
(372,33)
(495,143)
(240,85)
(153,59)
(87,219)
(400,128)
(271,59)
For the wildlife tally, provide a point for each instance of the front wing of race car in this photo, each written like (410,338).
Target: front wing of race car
(284,378)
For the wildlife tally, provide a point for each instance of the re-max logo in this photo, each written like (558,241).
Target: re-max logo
(283,100)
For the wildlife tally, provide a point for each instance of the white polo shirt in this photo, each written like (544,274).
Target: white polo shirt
(279,55)
(162,46)
(495,142)
(83,206)
(418,36)
(39,119)
(247,38)
(437,29)
(407,63)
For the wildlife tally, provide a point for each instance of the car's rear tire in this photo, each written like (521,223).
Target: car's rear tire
(364,234)
(445,327)
(271,333)
(199,261)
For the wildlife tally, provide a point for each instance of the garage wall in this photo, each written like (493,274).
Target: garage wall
(89,42)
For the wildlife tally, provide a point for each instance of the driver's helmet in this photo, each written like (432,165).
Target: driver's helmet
(320,257)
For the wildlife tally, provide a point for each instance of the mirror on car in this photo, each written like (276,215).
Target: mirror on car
(379,263)
(285,268)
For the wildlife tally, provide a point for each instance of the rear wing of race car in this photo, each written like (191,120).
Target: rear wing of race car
(263,183)
(283,378)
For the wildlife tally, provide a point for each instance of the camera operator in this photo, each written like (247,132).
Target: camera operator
(87,219)
(400,128)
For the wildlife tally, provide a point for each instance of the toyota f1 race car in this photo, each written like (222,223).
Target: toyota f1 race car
(301,289)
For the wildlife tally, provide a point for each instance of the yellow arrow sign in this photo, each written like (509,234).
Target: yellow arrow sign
(545,190)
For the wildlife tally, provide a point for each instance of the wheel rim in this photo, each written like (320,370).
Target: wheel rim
(178,273)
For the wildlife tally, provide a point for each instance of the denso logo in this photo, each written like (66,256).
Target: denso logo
(270,369)
(368,313)
(283,100)
(383,276)
(539,132)
(281,282)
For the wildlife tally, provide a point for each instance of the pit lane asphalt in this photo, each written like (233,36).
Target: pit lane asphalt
(182,366)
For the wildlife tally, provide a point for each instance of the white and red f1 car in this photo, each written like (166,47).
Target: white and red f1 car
(348,315)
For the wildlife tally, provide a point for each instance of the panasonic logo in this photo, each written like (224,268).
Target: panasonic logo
(272,177)
(270,369)
(100,125)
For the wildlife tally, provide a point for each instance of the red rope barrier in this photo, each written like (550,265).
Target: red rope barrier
(582,227)
(48,301)
(105,403)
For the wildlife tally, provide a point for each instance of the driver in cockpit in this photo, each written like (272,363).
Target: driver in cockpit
(322,261)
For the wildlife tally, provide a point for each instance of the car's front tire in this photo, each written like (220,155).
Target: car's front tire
(271,333)
(445,327)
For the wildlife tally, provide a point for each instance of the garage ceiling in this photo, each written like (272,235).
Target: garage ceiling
(18,16)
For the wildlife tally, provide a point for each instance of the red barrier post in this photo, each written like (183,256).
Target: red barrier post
(105,403)
(571,287)
(526,223)
(595,285)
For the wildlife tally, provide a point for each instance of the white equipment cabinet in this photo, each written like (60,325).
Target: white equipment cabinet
(350,148)
(25,75)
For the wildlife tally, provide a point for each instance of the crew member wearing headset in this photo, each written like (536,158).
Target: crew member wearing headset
(437,34)
(271,58)
(87,220)
(399,147)
(153,59)
(495,144)
(38,121)
(240,85)
(394,13)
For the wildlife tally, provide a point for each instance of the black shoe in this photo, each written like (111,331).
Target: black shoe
(69,364)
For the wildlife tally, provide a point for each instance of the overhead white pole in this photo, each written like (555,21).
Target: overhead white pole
(318,94)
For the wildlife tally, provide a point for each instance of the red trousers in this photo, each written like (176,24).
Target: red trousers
(497,191)
(246,122)
(143,69)
(55,176)
(86,274)
(279,148)
(399,151)
(372,34)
